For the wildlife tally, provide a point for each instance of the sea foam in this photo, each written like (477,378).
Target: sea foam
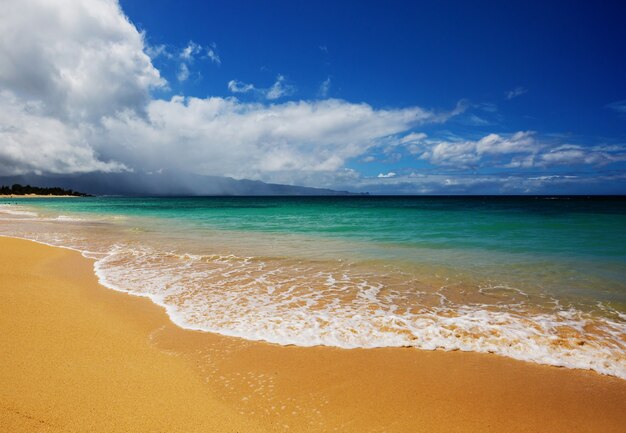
(298,302)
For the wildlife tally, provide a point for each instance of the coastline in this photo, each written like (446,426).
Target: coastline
(12,196)
(77,356)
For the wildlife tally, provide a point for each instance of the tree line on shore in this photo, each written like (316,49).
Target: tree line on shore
(18,189)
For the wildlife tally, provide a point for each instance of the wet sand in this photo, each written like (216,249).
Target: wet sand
(77,357)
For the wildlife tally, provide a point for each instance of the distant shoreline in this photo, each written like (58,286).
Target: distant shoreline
(36,196)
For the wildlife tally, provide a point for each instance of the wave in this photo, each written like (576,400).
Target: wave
(12,210)
(305,303)
(242,297)
(69,218)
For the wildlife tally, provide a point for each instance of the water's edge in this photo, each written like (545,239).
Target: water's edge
(177,319)
(306,290)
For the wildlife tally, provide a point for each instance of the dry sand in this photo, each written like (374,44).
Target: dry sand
(76,357)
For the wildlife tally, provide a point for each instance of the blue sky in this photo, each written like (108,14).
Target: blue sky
(408,97)
(549,67)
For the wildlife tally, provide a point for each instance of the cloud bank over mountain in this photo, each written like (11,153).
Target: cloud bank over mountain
(76,98)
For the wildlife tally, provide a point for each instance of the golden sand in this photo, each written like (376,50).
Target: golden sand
(76,357)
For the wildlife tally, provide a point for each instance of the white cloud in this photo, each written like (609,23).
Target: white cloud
(64,65)
(156,51)
(571,155)
(211,52)
(75,97)
(522,141)
(324,88)
(183,72)
(79,59)
(34,142)
(469,153)
(578,155)
(457,154)
(189,53)
(388,175)
(518,91)
(236,86)
(279,89)
(519,150)
(522,161)
(413,138)
(228,137)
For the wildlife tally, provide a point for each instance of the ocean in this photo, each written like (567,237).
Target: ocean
(541,279)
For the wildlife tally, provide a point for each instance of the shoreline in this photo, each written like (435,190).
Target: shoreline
(174,317)
(12,196)
(55,315)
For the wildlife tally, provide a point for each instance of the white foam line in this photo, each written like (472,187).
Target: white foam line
(4,208)
(68,218)
(430,331)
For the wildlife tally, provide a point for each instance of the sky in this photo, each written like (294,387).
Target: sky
(396,97)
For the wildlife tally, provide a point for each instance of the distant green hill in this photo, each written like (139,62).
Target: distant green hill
(18,189)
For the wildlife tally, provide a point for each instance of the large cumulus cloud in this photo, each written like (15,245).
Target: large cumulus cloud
(63,66)
(81,59)
(75,87)
(226,136)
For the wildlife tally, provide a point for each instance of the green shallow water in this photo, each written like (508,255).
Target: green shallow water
(552,226)
(562,245)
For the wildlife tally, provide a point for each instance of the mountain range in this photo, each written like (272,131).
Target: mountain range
(163,183)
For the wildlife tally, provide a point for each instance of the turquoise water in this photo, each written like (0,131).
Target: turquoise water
(590,228)
(542,279)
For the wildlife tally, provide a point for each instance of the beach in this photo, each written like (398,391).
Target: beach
(79,357)
(379,217)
